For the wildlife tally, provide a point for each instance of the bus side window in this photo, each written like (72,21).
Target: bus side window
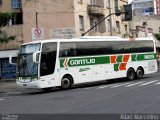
(72,52)
(67,49)
(64,53)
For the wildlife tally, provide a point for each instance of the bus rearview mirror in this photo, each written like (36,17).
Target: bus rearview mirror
(11,61)
(36,58)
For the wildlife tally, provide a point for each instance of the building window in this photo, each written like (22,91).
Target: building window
(16,4)
(125,27)
(93,22)
(116,5)
(81,22)
(117,24)
(117,27)
(109,23)
(92,2)
(0,2)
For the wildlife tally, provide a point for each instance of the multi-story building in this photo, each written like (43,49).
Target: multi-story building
(14,27)
(158,7)
(77,16)
(64,19)
(146,26)
(151,21)
(143,7)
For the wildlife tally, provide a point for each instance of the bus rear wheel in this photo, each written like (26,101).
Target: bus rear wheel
(66,82)
(139,73)
(131,74)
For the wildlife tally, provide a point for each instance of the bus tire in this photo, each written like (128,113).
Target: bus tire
(66,82)
(139,73)
(131,75)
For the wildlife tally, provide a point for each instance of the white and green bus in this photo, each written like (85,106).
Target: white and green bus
(66,62)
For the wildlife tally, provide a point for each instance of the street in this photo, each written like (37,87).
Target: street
(112,97)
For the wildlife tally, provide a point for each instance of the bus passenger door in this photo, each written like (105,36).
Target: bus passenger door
(98,72)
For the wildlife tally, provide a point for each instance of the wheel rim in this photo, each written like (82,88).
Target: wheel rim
(65,83)
(139,73)
(131,74)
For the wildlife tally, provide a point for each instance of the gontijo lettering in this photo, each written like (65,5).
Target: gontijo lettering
(82,62)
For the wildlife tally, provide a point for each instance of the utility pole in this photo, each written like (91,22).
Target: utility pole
(35,2)
(36,19)
(110,17)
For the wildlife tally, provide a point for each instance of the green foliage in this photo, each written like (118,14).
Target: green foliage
(4,19)
(157,35)
(4,38)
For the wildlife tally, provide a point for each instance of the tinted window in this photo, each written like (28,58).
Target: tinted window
(104,48)
(144,46)
(85,48)
(68,49)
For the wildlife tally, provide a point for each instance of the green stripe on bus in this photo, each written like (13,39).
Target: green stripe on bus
(72,62)
(141,57)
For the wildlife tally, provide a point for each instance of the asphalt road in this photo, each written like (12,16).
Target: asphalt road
(112,97)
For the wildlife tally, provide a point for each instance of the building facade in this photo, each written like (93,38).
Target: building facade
(152,22)
(143,7)
(77,16)
(158,7)
(38,20)
(14,28)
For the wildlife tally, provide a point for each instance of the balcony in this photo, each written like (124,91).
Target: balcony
(95,10)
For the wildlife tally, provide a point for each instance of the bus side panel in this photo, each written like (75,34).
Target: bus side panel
(98,72)
(67,71)
(149,66)
(49,81)
(111,73)
(84,74)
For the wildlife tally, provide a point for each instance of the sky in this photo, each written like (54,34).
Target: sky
(129,1)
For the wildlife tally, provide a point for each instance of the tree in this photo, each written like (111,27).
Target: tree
(157,35)
(4,19)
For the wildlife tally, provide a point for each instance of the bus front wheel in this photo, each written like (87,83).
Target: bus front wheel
(131,74)
(66,82)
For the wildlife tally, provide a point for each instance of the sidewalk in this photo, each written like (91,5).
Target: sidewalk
(8,86)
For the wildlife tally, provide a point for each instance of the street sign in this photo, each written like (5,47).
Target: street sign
(37,33)
(62,33)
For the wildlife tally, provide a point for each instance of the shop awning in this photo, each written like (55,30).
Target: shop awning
(7,53)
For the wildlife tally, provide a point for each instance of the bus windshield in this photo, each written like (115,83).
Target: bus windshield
(30,48)
(26,66)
